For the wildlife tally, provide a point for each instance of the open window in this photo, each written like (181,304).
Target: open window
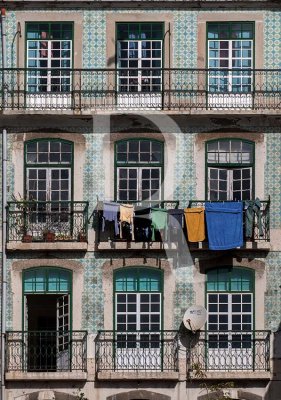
(47,319)
(230,169)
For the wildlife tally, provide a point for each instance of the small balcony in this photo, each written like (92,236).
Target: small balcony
(46,355)
(230,354)
(50,224)
(137,236)
(136,354)
(259,235)
(166,89)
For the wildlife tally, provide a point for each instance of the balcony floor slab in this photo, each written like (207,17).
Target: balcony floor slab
(137,375)
(44,246)
(46,376)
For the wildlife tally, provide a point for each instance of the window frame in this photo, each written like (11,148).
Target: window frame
(72,52)
(138,270)
(229,270)
(138,39)
(48,165)
(229,166)
(139,165)
(46,271)
(230,39)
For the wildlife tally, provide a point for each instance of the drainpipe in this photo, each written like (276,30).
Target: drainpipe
(4,213)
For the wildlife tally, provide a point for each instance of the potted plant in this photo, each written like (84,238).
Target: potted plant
(82,237)
(48,235)
(27,237)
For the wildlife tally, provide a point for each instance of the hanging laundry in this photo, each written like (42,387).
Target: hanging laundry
(253,208)
(224,225)
(127,218)
(195,224)
(175,221)
(110,211)
(142,224)
(159,219)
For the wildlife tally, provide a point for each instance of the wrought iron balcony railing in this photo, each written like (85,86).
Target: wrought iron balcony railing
(230,351)
(46,351)
(140,231)
(47,221)
(137,351)
(260,230)
(140,89)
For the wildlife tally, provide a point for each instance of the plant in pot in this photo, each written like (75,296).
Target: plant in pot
(48,235)
(27,237)
(82,237)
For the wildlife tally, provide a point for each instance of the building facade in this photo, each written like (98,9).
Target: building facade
(157,107)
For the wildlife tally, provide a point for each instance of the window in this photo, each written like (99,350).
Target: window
(230,56)
(139,56)
(49,56)
(47,318)
(139,169)
(48,170)
(230,164)
(230,316)
(138,302)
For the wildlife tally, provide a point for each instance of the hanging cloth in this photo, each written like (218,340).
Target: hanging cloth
(110,211)
(175,223)
(195,224)
(224,225)
(253,207)
(158,220)
(142,224)
(127,217)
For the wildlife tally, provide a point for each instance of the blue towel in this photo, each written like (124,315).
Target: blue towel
(224,225)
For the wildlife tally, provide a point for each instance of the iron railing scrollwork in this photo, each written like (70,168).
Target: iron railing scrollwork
(46,351)
(230,351)
(180,89)
(39,221)
(136,351)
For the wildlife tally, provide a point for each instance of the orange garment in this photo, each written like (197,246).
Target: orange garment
(127,215)
(195,223)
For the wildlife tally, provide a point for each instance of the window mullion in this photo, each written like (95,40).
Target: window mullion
(139,65)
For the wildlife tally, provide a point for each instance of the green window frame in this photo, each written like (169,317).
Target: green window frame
(138,299)
(230,306)
(230,56)
(48,166)
(49,56)
(230,169)
(43,280)
(139,53)
(139,169)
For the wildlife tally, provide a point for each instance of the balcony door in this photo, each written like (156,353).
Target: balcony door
(230,170)
(47,305)
(139,63)
(230,319)
(138,303)
(48,186)
(49,63)
(230,64)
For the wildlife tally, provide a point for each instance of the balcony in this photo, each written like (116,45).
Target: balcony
(135,354)
(230,353)
(175,90)
(50,224)
(136,237)
(46,355)
(260,234)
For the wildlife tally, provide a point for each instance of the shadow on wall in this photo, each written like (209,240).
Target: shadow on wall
(273,391)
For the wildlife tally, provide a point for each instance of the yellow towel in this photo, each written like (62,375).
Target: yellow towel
(195,223)
(127,213)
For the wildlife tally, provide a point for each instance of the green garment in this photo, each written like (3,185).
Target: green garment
(158,220)
(252,208)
